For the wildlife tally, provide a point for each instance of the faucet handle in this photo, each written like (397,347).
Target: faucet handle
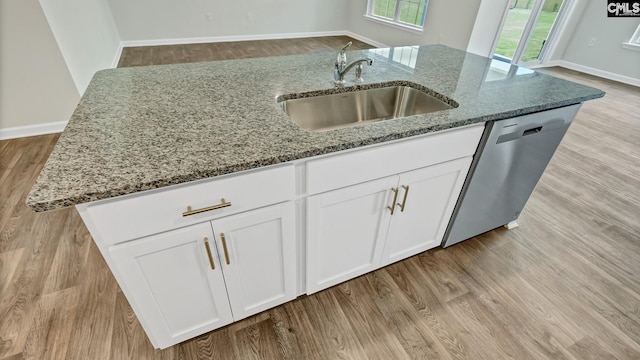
(345,47)
(342,57)
(359,79)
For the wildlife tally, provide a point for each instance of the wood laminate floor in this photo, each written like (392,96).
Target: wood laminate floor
(172,54)
(564,285)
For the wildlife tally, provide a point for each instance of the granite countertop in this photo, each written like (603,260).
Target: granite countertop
(143,128)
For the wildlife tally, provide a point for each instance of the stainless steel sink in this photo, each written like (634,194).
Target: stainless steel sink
(327,112)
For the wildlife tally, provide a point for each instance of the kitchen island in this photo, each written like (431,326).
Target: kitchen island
(210,205)
(143,128)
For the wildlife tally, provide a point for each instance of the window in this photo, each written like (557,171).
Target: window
(634,42)
(408,14)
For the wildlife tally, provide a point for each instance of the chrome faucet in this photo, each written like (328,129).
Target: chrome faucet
(341,67)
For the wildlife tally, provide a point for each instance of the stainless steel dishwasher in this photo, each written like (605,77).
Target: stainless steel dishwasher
(513,154)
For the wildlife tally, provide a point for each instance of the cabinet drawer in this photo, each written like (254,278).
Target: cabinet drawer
(338,171)
(129,217)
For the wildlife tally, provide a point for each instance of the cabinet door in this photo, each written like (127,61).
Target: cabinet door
(169,281)
(346,229)
(260,245)
(429,196)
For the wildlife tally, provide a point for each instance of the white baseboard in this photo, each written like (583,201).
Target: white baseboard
(116,57)
(199,40)
(365,39)
(32,130)
(593,71)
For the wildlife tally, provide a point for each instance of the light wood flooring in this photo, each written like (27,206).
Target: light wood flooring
(171,54)
(564,285)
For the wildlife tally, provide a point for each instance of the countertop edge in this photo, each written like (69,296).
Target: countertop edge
(146,128)
(42,206)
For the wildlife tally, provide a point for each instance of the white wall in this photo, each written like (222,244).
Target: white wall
(35,85)
(448,22)
(170,19)
(606,54)
(86,34)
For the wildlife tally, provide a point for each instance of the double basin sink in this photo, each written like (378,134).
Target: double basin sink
(344,107)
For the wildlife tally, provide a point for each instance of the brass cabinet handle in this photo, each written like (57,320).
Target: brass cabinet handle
(206,245)
(404,200)
(189,212)
(395,198)
(224,247)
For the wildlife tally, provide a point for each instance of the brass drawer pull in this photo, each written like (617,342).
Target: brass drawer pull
(189,212)
(224,247)
(395,198)
(404,200)
(206,245)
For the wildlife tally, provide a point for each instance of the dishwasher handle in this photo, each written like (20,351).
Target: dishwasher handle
(554,124)
(532,131)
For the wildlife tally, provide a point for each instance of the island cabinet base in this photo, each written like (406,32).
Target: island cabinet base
(190,281)
(215,266)
(194,257)
(360,227)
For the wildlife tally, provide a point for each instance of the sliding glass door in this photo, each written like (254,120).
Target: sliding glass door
(527,26)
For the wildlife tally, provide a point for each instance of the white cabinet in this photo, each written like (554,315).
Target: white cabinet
(426,200)
(346,229)
(193,257)
(150,212)
(353,230)
(171,285)
(367,209)
(183,283)
(260,247)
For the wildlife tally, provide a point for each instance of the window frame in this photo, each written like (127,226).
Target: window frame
(634,41)
(395,22)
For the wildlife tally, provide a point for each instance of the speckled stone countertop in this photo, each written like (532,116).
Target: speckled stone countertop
(143,128)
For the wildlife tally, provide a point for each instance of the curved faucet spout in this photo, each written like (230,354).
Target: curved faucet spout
(342,69)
